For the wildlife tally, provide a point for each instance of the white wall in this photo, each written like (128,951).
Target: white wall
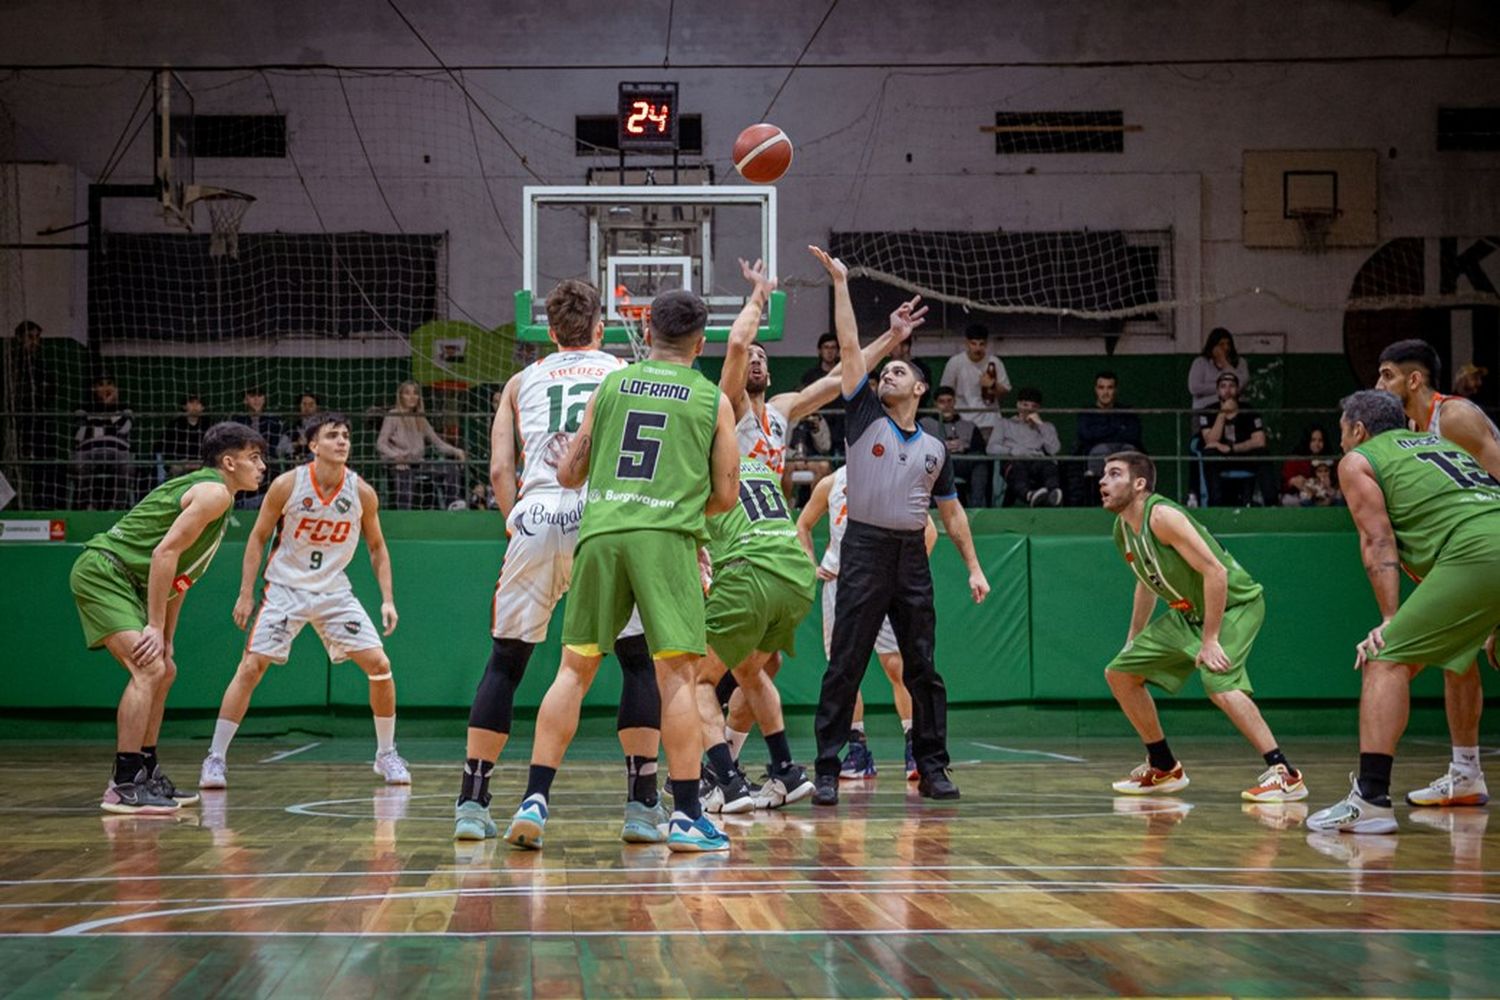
(883,81)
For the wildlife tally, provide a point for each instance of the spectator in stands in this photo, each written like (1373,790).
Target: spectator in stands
(1228,429)
(269,427)
(1101,431)
(1218,356)
(1028,443)
(1295,472)
(1321,489)
(32,397)
(978,379)
(404,437)
(308,405)
(962,438)
(821,433)
(101,450)
(1468,381)
(181,447)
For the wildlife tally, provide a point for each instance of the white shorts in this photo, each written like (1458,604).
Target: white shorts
(885,642)
(538,567)
(338,618)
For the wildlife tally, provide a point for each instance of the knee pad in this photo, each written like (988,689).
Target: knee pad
(726,687)
(640,698)
(494,701)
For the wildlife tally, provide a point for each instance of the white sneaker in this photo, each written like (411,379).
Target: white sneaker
(390,766)
(1353,815)
(212,774)
(1459,787)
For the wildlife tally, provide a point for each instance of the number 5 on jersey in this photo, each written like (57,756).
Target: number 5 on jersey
(638,452)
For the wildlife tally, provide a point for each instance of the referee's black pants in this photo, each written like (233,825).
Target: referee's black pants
(883,572)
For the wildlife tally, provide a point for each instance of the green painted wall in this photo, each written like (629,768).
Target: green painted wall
(1059,611)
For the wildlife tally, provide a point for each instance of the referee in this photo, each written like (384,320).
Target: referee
(895,472)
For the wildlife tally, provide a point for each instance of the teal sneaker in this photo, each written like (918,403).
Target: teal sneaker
(525,830)
(644,824)
(1354,814)
(471,821)
(687,836)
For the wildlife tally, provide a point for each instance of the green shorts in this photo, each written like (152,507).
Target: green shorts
(655,571)
(108,602)
(1454,610)
(750,609)
(1165,650)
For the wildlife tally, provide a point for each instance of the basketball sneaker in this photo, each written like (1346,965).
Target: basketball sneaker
(525,830)
(1278,783)
(1459,787)
(1147,780)
(472,821)
(826,790)
(644,824)
(783,788)
(1354,814)
(728,795)
(687,836)
(937,785)
(163,786)
(858,764)
(390,766)
(136,797)
(211,775)
(912,774)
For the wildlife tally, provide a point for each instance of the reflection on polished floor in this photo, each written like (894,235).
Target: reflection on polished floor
(306,878)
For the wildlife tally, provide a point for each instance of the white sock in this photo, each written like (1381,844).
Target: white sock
(1467,758)
(906,725)
(736,740)
(224,731)
(858,727)
(385,733)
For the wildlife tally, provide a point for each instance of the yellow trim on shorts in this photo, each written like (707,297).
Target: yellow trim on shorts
(584,648)
(672,654)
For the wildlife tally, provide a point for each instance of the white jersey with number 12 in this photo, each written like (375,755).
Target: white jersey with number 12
(551,396)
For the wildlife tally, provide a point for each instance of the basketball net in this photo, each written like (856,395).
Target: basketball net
(1313,226)
(634,318)
(226,210)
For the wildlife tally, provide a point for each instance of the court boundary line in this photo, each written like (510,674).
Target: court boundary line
(283,755)
(777,932)
(1038,753)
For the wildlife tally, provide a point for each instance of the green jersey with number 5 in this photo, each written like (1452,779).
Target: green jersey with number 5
(761,530)
(653,431)
(1431,486)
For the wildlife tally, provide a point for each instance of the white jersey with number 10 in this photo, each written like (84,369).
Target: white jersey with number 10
(550,398)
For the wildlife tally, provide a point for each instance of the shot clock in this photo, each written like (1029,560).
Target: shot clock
(647,117)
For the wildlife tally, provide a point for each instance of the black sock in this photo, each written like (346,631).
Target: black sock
(1375,778)
(476,783)
(150,763)
(721,760)
(781,751)
(1160,756)
(640,780)
(539,781)
(128,766)
(685,798)
(856,736)
(1274,756)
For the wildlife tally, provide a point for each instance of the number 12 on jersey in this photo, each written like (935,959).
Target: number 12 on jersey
(578,395)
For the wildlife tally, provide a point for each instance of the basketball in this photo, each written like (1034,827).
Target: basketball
(762,153)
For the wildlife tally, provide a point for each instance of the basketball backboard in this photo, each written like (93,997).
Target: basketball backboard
(174,148)
(634,242)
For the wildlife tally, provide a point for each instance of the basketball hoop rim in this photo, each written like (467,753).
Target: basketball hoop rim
(205,193)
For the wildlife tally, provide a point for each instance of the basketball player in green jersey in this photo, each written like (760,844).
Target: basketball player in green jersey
(657,448)
(1410,370)
(129,585)
(763,584)
(1421,502)
(1216,610)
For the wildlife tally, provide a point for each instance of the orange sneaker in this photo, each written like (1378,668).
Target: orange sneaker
(1147,780)
(1278,783)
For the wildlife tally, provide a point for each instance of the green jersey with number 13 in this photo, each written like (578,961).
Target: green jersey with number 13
(649,462)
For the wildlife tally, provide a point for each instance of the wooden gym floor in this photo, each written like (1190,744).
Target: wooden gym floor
(307,878)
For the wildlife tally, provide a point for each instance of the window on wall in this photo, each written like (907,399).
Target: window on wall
(209,136)
(1468,130)
(1026,132)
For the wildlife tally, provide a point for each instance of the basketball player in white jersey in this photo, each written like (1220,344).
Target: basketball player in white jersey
(542,406)
(1410,370)
(318,511)
(831,497)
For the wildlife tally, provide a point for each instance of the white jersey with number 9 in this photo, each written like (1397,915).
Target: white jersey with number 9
(551,396)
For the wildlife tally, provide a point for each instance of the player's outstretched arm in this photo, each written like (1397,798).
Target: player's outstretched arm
(1173,527)
(380,555)
(733,375)
(201,506)
(723,463)
(812,513)
(1377,545)
(573,470)
(271,506)
(853,370)
(956,523)
(503,451)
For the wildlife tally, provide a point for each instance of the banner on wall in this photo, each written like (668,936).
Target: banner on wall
(32,531)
